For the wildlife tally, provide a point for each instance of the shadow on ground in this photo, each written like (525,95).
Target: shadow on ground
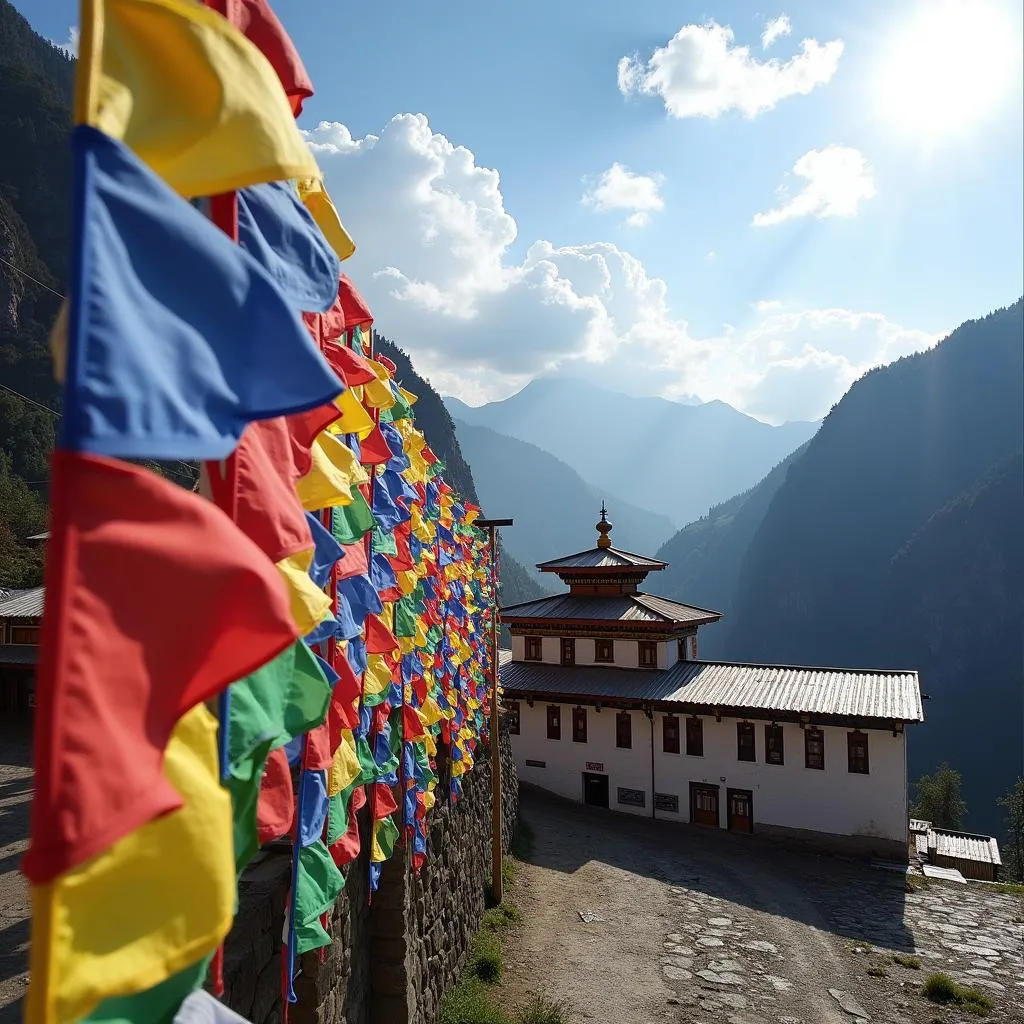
(844,896)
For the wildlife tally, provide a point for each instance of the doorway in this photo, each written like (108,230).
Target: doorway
(704,804)
(595,789)
(741,810)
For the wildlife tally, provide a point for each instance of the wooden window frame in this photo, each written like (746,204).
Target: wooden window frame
(514,723)
(810,733)
(554,715)
(579,725)
(670,734)
(695,725)
(773,734)
(17,635)
(853,758)
(746,729)
(602,647)
(567,643)
(624,730)
(647,647)
(534,648)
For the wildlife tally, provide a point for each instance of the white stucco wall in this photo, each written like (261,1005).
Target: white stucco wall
(626,653)
(789,795)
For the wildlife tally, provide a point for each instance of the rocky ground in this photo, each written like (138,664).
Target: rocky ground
(631,920)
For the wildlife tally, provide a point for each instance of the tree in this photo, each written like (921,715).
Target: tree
(937,798)
(1013,842)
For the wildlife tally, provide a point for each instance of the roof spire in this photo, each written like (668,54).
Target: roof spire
(603,529)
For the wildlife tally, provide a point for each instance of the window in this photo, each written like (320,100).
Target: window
(670,734)
(695,737)
(648,654)
(24,634)
(624,730)
(681,654)
(604,651)
(554,722)
(773,752)
(857,752)
(814,748)
(513,717)
(745,741)
(568,651)
(579,725)
(533,648)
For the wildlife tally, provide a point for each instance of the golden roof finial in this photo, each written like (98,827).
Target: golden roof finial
(603,529)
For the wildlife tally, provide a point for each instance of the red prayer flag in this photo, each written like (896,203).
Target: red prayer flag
(155,601)
(357,312)
(346,849)
(379,639)
(318,754)
(267,508)
(255,20)
(304,428)
(355,562)
(350,366)
(276,806)
(383,801)
(374,449)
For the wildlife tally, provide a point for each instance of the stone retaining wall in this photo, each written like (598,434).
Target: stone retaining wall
(393,957)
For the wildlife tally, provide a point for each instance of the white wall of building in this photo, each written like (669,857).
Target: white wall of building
(790,795)
(626,653)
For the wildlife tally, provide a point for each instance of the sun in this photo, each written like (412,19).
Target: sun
(949,67)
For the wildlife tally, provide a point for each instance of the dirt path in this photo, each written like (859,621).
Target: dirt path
(695,926)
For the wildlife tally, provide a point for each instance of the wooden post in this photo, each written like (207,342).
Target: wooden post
(497,885)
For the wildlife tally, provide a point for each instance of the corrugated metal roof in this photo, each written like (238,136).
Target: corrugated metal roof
(21,604)
(613,608)
(963,846)
(18,654)
(602,558)
(892,696)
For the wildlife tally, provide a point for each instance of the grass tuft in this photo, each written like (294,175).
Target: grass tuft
(470,1002)
(1009,888)
(877,971)
(541,1010)
(485,956)
(941,988)
(917,883)
(501,916)
(911,962)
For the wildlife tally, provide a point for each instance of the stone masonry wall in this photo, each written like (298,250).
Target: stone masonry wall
(393,957)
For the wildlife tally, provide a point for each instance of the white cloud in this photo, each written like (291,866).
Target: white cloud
(434,260)
(838,180)
(775,29)
(767,305)
(700,73)
(70,45)
(619,188)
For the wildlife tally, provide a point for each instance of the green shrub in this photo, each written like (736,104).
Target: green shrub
(470,1003)
(485,958)
(541,1010)
(877,971)
(941,988)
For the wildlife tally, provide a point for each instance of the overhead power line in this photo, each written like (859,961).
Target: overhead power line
(35,280)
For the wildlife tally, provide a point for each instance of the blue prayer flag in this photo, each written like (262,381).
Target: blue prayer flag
(177,338)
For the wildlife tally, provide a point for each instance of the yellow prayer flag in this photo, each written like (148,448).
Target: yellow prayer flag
(345,767)
(158,900)
(354,418)
(335,471)
(316,199)
(183,88)
(309,604)
(377,677)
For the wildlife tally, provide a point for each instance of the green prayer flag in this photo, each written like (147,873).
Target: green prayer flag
(406,611)
(351,522)
(384,543)
(385,835)
(318,887)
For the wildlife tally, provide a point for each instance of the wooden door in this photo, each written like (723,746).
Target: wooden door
(595,789)
(741,810)
(704,805)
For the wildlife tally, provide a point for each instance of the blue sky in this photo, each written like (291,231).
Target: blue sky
(907,128)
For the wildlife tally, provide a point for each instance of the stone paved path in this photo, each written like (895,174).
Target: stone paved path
(15,800)
(700,927)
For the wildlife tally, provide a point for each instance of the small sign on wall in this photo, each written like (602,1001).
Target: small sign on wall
(667,802)
(632,797)
(595,766)
(536,764)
